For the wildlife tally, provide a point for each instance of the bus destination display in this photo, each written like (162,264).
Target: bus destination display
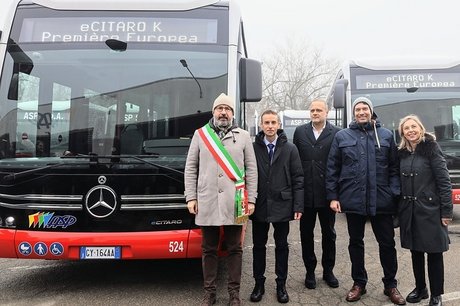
(408,80)
(89,29)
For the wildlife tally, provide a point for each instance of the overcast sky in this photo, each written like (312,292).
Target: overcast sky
(355,28)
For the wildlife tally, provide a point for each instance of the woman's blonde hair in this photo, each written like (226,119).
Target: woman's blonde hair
(404,143)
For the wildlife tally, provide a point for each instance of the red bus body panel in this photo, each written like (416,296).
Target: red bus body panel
(455,196)
(134,245)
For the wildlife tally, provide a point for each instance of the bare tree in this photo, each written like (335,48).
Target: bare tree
(294,75)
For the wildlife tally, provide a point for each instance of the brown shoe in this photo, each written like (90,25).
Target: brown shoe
(395,296)
(355,293)
(234,299)
(209,299)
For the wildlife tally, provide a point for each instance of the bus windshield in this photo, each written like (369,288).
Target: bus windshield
(64,93)
(432,95)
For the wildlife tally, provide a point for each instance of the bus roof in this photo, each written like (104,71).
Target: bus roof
(393,63)
(133,5)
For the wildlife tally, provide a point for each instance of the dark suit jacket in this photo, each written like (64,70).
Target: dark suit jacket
(313,155)
(280,185)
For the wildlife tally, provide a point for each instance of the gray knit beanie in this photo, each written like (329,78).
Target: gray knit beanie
(362,100)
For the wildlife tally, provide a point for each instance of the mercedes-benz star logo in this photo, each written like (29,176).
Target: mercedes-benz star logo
(102,180)
(101,201)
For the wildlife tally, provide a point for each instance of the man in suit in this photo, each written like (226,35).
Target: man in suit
(279,200)
(313,140)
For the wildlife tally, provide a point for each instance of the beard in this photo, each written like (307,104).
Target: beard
(222,122)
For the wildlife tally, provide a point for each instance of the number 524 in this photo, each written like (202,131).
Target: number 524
(176,246)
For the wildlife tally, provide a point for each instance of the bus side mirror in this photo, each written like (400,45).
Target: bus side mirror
(22,64)
(13,90)
(250,80)
(340,93)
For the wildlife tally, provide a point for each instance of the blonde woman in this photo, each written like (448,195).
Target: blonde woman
(425,208)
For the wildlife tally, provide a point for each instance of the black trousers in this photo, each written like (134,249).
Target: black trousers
(435,271)
(209,245)
(259,251)
(307,225)
(382,226)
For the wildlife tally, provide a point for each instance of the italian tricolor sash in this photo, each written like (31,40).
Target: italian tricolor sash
(225,161)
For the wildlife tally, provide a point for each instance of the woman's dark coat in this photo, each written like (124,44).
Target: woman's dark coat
(426,197)
(313,154)
(362,175)
(280,185)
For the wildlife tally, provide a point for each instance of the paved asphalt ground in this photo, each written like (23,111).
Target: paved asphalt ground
(179,283)
(323,295)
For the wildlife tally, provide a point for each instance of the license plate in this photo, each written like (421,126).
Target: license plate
(100,252)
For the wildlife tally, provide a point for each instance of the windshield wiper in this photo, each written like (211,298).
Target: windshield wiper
(95,158)
(14,176)
(139,158)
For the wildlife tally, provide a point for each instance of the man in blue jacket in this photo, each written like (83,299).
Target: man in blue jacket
(279,200)
(362,181)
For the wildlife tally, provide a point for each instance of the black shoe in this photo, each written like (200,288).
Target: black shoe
(331,280)
(417,295)
(257,293)
(310,281)
(281,294)
(434,301)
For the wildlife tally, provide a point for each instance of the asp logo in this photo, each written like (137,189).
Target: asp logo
(49,220)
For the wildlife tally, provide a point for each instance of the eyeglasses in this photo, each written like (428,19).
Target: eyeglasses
(223,108)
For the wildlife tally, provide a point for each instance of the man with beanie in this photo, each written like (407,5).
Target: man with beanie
(362,181)
(221,189)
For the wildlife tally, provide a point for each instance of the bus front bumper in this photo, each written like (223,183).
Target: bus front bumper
(118,245)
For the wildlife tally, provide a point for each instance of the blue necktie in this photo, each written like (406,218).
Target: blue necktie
(270,152)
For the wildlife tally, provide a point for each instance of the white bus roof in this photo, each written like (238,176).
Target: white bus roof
(394,63)
(124,4)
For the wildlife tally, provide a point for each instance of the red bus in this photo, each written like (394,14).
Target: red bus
(98,104)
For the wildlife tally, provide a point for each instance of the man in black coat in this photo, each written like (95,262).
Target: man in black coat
(313,140)
(279,200)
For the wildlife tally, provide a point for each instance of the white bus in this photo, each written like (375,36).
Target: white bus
(429,88)
(291,119)
(109,94)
